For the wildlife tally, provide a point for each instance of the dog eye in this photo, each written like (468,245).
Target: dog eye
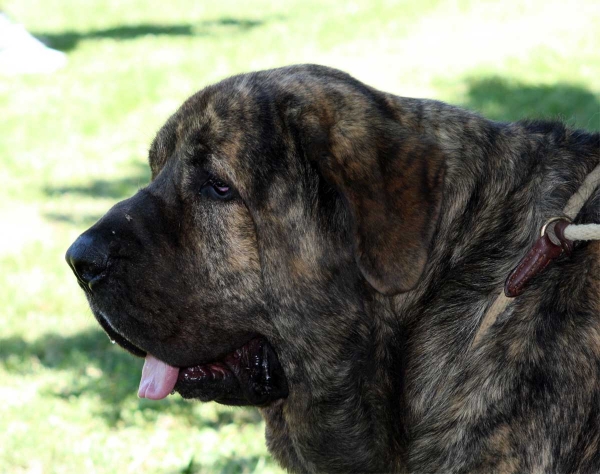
(216,189)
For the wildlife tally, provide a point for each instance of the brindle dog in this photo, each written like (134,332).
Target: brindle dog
(326,251)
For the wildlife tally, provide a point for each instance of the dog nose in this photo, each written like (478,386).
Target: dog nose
(88,258)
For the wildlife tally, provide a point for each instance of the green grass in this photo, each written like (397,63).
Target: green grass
(75,142)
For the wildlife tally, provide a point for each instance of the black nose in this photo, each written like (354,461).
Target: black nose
(88,258)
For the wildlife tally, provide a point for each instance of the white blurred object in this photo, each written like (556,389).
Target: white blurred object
(21,53)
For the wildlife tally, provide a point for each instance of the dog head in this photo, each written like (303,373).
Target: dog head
(278,201)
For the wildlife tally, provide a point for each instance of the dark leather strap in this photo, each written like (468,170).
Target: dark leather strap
(537,259)
(559,231)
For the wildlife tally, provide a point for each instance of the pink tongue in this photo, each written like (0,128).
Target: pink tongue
(158,379)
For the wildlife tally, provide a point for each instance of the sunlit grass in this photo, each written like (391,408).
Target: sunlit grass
(75,142)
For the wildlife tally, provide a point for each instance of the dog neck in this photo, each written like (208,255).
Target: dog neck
(493,207)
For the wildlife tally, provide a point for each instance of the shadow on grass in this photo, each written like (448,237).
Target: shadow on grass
(238,465)
(507,100)
(80,220)
(115,189)
(118,188)
(68,40)
(90,365)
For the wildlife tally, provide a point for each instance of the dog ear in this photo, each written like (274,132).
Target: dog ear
(392,183)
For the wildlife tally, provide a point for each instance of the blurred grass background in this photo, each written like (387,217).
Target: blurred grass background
(75,142)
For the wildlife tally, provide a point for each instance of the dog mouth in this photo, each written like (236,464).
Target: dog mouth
(249,375)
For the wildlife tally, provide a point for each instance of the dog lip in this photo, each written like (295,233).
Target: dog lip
(214,370)
(249,375)
(117,338)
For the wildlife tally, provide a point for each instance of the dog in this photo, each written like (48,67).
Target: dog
(326,252)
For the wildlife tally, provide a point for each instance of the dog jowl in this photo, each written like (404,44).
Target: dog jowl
(190,302)
(325,251)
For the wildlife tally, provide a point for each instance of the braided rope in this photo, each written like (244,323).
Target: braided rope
(576,202)
(583,232)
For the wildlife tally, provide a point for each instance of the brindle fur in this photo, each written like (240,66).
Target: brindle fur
(370,235)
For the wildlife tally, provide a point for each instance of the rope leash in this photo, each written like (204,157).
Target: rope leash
(583,232)
(538,258)
(574,205)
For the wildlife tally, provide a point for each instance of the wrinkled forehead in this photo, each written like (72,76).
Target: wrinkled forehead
(215,119)
(249,114)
